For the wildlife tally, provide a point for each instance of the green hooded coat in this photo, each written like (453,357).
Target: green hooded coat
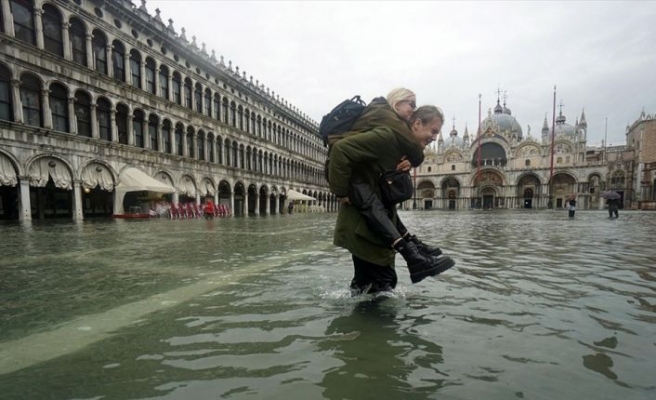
(377,143)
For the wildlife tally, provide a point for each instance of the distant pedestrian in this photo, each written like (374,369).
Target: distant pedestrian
(208,210)
(571,207)
(613,206)
(290,207)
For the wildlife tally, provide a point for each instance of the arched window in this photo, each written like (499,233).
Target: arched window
(210,146)
(135,68)
(23,13)
(241,156)
(77,34)
(83,113)
(6,105)
(216,105)
(227,153)
(178,139)
(219,150)
(122,123)
(30,92)
(617,180)
(247,121)
(166,136)
(240,113)
(164,81)
(234,154)
(100,52)
(152,132)
(177,84)
(138,128)
(233,115)
(187,93)
(201,145)
(118,59)
(208,103)
(190,142)
(224,110)
(104,119)
(52,30)
(59,107)
(198,97)
(150,75)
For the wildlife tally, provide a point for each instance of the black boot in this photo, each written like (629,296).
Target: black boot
(423,247)
(422,266)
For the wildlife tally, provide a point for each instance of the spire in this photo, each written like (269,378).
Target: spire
(545,125)
(498,109)
(583,123)
(454,132)
(560,119)
(466,135)
(439,138)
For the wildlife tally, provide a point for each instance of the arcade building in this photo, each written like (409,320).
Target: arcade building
(105,108)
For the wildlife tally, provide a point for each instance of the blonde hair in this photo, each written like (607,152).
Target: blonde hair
(398,95)
(426,114)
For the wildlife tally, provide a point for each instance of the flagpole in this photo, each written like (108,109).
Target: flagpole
(605,139)
(553,136)
(480,139)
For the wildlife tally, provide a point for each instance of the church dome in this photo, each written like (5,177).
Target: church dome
(563,128)
(502,121)
(453,140)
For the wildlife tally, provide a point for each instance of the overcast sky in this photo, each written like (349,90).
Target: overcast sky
(600,55)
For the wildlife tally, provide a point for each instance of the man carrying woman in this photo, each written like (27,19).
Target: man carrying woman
(388,136)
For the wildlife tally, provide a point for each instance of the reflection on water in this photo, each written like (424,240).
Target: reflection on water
(539,306)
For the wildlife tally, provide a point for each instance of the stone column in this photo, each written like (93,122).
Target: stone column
(176,198)
(77,201)
(113,126)
(95,133)
(130,130)
(126,67)
(174,148)
(38,24)
(276,204)
(25,206)
(71,115)
(142,73)
(169,89)
(185,147)
(156,79)
(160,141)
(7,18)
(68,53)
(47,114)
(18,109)
(110,61)
(247,199)
(90,60)
(232,203)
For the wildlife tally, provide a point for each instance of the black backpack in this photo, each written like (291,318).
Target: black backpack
(340,120)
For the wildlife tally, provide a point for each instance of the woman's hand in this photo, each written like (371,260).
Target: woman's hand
(404,165)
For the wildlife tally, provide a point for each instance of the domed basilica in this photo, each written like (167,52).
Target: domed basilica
(504,168)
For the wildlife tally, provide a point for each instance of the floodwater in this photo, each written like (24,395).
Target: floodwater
(539,306)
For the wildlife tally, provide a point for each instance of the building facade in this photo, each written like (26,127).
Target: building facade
(641,138)
(503,168)
(90,89)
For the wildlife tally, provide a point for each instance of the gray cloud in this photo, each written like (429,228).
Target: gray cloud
(601,55)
